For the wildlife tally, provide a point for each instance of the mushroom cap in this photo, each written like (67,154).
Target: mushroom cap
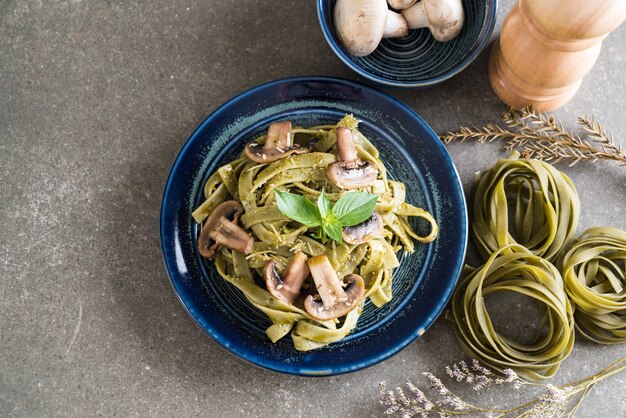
(360,24)
(287,287)
(396,26)
(220,228)
(354,287)
(277,144)
(444,18)
(353,174)
(367,230)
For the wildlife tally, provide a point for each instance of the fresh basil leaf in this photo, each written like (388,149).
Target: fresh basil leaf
(354,207)
(332,227)
(324,205)
(298,208)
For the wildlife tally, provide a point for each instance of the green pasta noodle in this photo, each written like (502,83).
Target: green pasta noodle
(277,238)
(514,269)
(594,271)
(525,216)
(526,202)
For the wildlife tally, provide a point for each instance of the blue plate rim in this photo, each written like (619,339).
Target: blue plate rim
(384,354)
(463,64)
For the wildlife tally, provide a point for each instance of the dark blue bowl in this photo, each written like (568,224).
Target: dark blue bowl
(417,60)
(422,284)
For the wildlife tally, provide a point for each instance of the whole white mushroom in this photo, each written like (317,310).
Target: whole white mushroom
(361,24)
(444,18)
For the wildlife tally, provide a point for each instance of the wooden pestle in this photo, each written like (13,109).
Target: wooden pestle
(547,46)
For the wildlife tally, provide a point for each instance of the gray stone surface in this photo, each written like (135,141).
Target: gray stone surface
(96,99)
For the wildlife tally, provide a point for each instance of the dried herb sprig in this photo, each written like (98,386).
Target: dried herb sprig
(537,135)
(555,401)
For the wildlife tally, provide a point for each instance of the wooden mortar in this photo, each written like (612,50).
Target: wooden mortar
(547,46)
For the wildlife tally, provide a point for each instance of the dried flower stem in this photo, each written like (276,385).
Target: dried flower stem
(542,137)
(562,401)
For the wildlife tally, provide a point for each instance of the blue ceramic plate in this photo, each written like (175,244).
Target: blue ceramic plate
(417,60)
(422,284)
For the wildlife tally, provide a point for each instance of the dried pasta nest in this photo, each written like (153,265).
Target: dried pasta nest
(514,269)
(526,202)
(594,271)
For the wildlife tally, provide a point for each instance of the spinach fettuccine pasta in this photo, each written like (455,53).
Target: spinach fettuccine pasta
(594,271)
(526,202)
(525,216)
(514,269)
(307,225)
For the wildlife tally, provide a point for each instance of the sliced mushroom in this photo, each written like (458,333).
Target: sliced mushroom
(336,298)
(349,172)
(444,18)
(361,24)
(278,144)
(221,228)
(365,231)
(287,287)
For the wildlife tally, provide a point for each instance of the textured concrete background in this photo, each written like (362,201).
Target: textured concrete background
(96,98)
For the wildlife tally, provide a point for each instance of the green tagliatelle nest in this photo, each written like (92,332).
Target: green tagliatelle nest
(526,202)
(594,271)
(514,269)
(525,216)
